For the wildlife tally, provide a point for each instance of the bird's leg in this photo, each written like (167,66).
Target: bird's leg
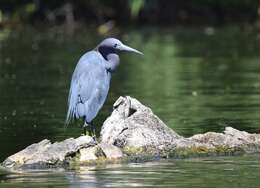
(93,131)
(85,132)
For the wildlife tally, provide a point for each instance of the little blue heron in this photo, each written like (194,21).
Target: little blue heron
(91,79)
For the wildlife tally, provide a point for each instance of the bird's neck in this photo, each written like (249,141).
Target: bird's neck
(112,59)
(112,62)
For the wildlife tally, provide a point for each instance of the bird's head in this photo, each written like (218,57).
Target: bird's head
(113,45)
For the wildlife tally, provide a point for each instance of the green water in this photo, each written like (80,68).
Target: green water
(195,79)
(224,172)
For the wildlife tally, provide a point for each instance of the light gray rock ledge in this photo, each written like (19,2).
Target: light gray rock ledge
(132,132)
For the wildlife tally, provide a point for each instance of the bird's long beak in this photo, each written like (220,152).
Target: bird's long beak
(129,49)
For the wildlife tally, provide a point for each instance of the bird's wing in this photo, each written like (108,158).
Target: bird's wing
(83,82)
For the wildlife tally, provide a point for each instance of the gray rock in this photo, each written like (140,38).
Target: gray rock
(134,128)
(99,153)
(134,125)
(88,154)
(132,131)
(231,138)
(110,151)
(45,154)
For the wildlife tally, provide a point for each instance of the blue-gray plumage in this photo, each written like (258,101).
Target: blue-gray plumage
(91,79)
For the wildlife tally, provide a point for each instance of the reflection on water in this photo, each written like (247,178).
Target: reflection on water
(195,81)
(206,172)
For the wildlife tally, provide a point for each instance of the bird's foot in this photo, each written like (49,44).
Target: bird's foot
(89,130)
(94,137)
(93,132)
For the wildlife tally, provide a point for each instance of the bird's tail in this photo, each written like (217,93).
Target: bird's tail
(72,102)
(69,117)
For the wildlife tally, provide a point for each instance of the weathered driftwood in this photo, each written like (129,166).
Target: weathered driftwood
(132,132)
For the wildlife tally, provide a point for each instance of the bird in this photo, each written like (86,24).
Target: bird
(90,81)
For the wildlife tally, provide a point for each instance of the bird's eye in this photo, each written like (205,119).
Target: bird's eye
(115,45)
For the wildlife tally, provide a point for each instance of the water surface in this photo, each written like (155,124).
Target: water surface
(195,79)
(224,172)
